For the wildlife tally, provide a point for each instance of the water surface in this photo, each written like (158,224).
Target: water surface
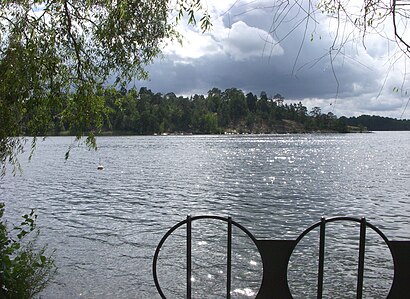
(106,224)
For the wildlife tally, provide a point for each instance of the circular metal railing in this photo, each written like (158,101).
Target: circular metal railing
(188,221)
(230,223)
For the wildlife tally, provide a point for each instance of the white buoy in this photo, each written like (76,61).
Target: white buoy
(100,166)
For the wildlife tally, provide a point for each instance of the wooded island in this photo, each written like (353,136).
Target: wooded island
(231,111)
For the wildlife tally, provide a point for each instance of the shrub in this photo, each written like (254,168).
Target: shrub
(25,270)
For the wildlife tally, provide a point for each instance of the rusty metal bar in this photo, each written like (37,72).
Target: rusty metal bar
(362,244)
(321,258)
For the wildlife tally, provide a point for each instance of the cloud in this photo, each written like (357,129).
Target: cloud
(241,51)
(239,42)
(242,42)
(194,46)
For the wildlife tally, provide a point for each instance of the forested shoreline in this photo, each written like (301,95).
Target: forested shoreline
(144,112)
(377,123)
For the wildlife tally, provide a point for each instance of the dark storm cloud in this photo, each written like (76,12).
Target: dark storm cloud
(240,54)
(256,74)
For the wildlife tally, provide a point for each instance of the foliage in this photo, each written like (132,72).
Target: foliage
(377,123)
(56,54)
(146,112)
(25,270)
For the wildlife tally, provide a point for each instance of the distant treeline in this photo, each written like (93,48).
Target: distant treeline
(231,111)
(377,123)
(144,112)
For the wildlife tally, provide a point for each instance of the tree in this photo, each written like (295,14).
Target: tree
(316,112)
(251,100)
(57,54)
(301,112)
(209,124)
(237,104)
(214,99)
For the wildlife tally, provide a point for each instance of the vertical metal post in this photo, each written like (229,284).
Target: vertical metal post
(188,257)
(229,260)
(360,273)
(321,258)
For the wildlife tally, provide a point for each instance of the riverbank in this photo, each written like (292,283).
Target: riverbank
(284,126)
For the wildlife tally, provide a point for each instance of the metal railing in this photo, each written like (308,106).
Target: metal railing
(188,223)
(362,244)
(276,254)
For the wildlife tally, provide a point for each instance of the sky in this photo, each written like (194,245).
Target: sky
(249,49)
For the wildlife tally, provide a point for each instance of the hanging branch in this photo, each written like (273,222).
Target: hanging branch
(396,34)
(73,39)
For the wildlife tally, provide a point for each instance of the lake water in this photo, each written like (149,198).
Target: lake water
(105,225)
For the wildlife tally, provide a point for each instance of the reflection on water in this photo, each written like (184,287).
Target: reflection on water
(209,262)
(106,224)
(341,263)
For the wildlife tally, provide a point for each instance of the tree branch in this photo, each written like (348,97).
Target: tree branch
(75,44)
(396,34)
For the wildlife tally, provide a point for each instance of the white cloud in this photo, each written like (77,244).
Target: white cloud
(194,45)
(243,42)
(239,42)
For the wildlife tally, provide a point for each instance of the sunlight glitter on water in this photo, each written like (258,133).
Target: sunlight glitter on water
(244,292)
(105,225)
